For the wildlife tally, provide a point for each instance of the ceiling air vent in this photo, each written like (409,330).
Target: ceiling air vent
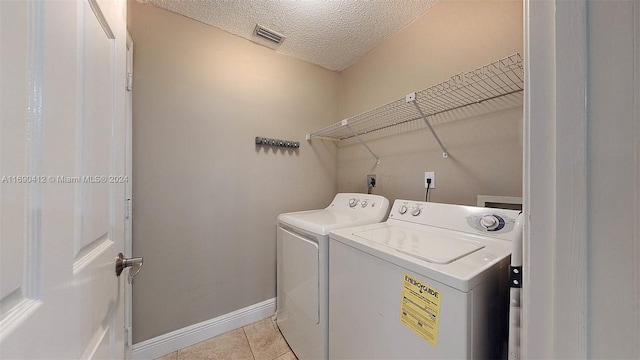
(269,35)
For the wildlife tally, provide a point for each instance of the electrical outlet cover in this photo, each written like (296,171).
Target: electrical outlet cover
(430,175)
(369,178)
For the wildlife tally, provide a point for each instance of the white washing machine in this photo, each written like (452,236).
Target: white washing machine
(432,282)
(303,267)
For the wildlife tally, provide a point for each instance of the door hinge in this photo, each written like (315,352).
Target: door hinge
(515,279)
(127,209)
(128,339)
(129,81)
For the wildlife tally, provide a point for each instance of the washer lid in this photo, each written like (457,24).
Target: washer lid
(434,247)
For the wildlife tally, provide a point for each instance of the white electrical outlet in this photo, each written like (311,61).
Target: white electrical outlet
(430,175)
(371,180)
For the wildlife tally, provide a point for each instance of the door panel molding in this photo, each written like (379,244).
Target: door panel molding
(91,252)
(33,125)
(95,138)
(20,304)
(97,347)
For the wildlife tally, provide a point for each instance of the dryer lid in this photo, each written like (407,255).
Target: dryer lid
(321,222)
(439,247)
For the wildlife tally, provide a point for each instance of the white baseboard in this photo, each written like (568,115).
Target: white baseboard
(181,338)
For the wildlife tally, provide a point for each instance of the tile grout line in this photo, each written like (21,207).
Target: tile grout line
(277,329)
(248,342)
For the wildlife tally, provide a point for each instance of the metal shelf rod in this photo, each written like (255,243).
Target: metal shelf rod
(445,154)
(346,123)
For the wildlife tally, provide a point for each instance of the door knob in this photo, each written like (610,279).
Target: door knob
(134,263)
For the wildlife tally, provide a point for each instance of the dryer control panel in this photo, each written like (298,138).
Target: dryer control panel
(359,203)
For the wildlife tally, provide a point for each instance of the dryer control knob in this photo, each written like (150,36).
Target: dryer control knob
(403,209)
(416,211)
(353,202)
(489,221)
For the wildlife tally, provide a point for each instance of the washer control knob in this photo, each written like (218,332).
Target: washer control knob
(489,221)
(403,209)
(365,203)
(416,211)
(353,202)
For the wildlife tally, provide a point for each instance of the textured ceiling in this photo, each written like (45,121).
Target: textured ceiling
(330,33)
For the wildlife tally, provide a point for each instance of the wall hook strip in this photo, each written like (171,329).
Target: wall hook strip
(277,142)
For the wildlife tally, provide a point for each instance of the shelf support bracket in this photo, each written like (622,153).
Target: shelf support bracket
(346,123)
(412,98)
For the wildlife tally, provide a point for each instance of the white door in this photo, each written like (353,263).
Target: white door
(62,107)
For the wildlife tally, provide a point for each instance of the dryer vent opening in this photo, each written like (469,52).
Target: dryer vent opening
(269,35)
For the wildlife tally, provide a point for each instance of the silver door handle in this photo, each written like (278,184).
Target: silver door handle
(122,263)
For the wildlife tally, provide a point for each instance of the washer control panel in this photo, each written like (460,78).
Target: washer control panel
(500,223)
(491,222)
(416,209)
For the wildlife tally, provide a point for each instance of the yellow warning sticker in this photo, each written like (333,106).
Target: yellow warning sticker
(420,308)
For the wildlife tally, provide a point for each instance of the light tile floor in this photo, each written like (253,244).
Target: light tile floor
(258,341)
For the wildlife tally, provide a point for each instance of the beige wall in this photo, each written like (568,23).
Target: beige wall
(485,152)
(205,197)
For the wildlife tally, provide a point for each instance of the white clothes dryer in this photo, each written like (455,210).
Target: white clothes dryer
(432,282)
(303,267)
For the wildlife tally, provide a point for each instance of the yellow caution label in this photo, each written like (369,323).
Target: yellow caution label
(420,308)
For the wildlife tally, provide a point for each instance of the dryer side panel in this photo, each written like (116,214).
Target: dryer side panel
(299,276)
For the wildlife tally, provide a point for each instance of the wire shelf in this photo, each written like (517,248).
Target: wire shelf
(499,78)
